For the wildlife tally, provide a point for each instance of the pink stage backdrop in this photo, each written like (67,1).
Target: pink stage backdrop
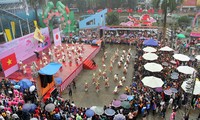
(24,48)
(56,37)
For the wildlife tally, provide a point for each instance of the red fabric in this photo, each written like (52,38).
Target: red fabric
(8,61)
(67,10)
(99,10)
(160,11)
(129,10)
(140,11)
(109,10)
(119,10)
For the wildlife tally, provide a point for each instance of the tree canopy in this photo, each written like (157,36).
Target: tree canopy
(112,18)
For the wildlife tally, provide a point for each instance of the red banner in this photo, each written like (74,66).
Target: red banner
(8,61)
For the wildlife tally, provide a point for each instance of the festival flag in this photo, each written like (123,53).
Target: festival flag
(8,34)
(35,23)
(8,61)
(38,35)
(57,37)
(13,28)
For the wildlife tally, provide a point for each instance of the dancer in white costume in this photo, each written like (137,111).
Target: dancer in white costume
(116,77)
(115,91)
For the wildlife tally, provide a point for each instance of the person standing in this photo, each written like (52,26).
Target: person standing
(74,84)
(173,115)
(70,91)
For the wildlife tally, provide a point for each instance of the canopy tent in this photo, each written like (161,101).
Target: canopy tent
(50,69)
(150,42)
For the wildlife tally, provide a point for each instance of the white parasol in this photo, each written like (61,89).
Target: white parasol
(152,82)
(198,57)
(149,49)
(150,56)
(181,57)
(153,67)
(186,69)
(166,48)
(187,84)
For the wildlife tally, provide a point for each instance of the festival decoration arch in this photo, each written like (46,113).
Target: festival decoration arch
(62,12)
(195,21)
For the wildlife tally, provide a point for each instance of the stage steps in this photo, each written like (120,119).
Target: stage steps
(88,64)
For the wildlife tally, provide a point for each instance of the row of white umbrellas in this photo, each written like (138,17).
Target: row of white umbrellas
(155,82)
(152,56)
(151,49)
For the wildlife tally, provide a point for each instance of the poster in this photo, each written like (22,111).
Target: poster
(56,37)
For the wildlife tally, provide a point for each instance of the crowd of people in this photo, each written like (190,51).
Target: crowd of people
(145,100)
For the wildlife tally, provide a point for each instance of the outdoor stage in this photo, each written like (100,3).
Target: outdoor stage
(68,71)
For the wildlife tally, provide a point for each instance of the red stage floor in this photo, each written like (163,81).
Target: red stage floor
(67,72)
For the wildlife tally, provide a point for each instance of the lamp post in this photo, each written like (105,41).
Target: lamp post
(190,90)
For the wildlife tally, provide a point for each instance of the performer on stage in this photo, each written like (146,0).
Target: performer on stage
(37,54)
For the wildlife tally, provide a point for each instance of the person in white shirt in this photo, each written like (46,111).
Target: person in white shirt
(116,77)
(115,90)
(170,103)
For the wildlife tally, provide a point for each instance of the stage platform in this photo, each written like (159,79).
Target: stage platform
(68,71)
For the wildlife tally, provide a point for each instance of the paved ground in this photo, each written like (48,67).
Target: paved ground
(105,96)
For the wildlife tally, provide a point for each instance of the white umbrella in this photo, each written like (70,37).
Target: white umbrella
(198,57)
(149,49)
(181,57)
(150,56)
(153,67)
(32,88)
(166,48)
(50,107)
(33,119)
(186,86)
(152,82)
(186,69)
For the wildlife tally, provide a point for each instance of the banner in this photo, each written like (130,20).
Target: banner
(198,2)
(12,23)
(56,37)
(9,64)
(8,34)
(35,23)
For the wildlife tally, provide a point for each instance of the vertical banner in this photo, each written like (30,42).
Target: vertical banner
(198,2)
(13,28)
(35,23)
(8,34)
(56,37)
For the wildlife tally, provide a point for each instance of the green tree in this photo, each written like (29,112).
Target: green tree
(184,20)
(35,5)
(166,6)
(112,18)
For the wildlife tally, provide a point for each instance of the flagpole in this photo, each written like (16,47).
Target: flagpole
(28,26)
(20,26)
(1,25)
